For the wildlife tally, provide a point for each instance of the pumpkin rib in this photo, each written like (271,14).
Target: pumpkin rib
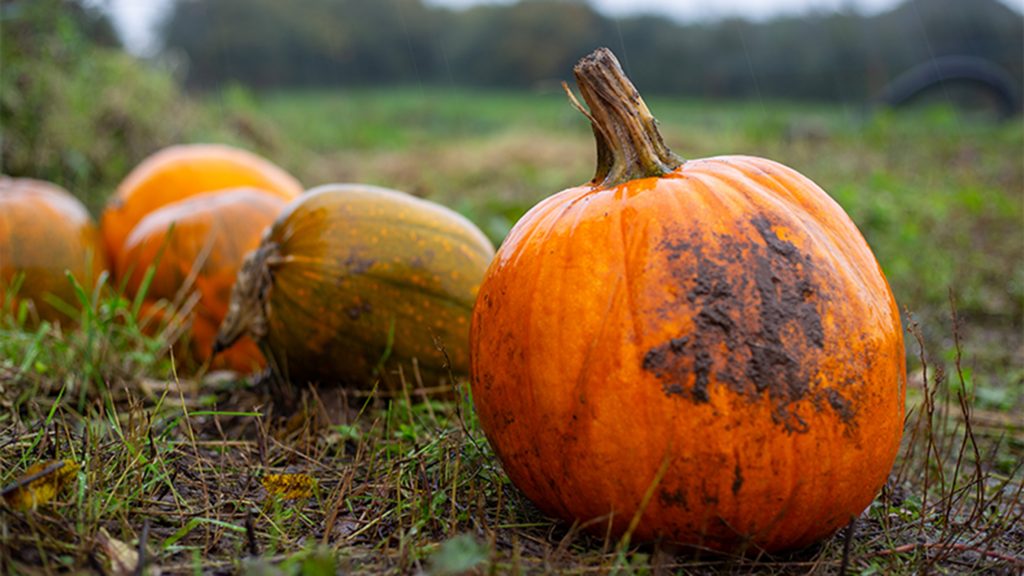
(297,307)
(625,271)
(440,231)
(451,234)
(573,195)
(384,279)
(540,212)
(460,228)
(584,372)
(529,285)
(433,294)
(773,172)
(397,283)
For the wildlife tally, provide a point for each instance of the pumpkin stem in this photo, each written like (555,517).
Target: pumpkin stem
(247,310)
(629,145)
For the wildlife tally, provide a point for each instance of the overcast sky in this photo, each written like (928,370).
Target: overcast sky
(135,18)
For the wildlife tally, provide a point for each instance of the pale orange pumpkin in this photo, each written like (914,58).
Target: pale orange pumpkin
(708,346)
(178,172)
(197,245)
(44,233)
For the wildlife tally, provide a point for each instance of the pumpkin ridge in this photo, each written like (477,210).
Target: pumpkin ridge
(806,207)
(545,222)
(733,180)
(530,289)
(338,273)
(446,231)
(297,307)
(423,215)
(583,378)
(625,268)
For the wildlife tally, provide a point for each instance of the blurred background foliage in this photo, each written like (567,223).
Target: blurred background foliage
(78,110)
(836,56)
(75,109)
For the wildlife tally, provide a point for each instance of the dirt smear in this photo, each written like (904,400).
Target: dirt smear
(757,323)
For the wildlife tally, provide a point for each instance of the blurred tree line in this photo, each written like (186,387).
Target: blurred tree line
(829,56)
(77,110)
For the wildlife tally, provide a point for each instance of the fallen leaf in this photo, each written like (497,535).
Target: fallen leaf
(124,559)
(289,486)
(39,484)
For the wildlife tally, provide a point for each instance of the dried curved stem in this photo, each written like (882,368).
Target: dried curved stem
(629,145)
(247,311)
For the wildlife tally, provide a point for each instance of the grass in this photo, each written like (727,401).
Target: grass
(180,469)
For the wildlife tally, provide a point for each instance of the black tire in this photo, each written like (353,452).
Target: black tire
(983,74)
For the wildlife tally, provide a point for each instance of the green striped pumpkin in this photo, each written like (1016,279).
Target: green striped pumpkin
(351,278)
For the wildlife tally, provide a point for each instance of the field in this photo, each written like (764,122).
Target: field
(179,470)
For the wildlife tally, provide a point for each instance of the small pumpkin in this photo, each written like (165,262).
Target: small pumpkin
(198,244)
(178,172)
(707,346)
(352,275)
(45,232)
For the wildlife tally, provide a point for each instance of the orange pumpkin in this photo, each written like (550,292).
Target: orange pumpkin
(351,278)
(706,345)
(45,231)
(179,172)
(198,244)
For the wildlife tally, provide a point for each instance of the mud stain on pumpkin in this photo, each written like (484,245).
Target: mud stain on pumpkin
(737,479)
(783,280)
(757,326)
(676,498)
(840,405)
(663,360)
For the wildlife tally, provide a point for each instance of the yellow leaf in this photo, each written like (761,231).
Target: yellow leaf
(40,483)
(289,486)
